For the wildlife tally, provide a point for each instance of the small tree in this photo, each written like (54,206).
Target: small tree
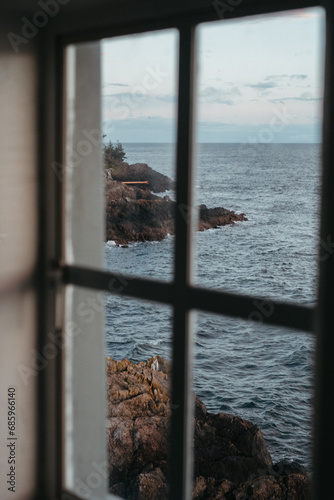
(113,155)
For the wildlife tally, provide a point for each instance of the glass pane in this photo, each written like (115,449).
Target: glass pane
(259,153)
(247,371)
(139,104)
(138,348)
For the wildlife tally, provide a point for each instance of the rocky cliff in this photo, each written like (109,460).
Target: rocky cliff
(231,459)
(135,213)
(157,183)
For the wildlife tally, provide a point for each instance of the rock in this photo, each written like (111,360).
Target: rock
(216,217)
(157,363)
(199,488)
(228,447)
(134,213)
(157,183)
(231,459)
(150,485)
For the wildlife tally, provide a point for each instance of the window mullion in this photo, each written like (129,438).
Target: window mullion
(248,307)
(84,396)
(323,438)
(182,436)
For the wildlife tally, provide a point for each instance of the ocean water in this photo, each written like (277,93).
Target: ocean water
(261,373)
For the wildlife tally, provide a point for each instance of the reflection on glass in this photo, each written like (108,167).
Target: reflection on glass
(139,126)
(259,133)
(138,344)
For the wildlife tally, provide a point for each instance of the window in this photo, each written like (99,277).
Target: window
(181,295)
(58,465)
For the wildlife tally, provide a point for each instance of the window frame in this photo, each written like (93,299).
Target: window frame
(181,294)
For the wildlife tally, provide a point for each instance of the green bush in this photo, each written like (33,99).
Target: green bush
(114,155)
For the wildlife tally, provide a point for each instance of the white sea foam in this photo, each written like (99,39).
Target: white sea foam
(110,243)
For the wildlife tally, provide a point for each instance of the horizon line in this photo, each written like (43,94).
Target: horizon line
(216,142)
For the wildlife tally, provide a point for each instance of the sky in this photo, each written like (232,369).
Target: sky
(259,79)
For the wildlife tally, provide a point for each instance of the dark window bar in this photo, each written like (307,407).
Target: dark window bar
(252,308)
(134,19)
(324,395)
(181,459)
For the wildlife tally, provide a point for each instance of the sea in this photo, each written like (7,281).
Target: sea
(261,373)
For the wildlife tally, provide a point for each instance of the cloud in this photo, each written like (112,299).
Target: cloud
(249,133)
(261,85)
(308,99)
(299,77)
(218,96)
(234,91)
(276,77)
(165,98)
(286,77)
(115,85)
(122,106)
(138,97)
(141,129)
(305,97)
(159,129)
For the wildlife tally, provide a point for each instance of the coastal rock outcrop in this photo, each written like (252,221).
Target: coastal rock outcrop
(135,213)
(231,459)
(157,182)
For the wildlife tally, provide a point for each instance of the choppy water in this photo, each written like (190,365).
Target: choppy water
(263,374)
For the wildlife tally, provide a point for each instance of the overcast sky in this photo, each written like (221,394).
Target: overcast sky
(259,80)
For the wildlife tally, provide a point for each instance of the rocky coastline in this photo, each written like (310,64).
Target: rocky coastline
(134,212)
(231,459)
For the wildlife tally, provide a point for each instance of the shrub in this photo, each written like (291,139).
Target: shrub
(114,155)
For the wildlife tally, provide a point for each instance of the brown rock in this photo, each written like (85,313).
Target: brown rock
(231,457)
(298,487)
(223,489)
(120,448)
(266,487)
(150,440)
(150,486)
(200,488)
(134,213)
(216,217)
(158,183)
(135,390)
